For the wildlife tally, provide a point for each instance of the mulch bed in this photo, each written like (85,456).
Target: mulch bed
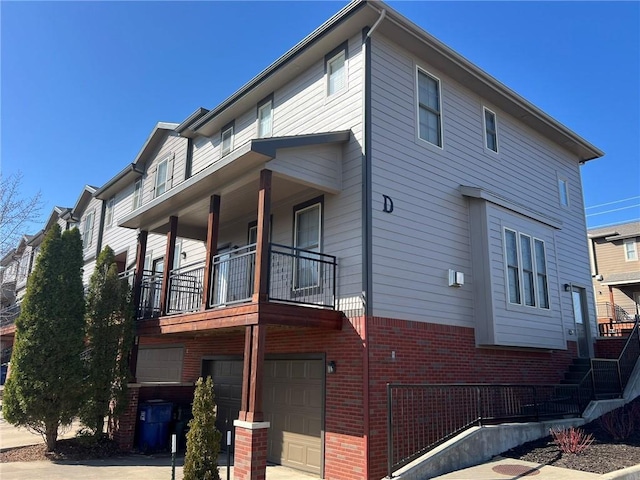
(75,449)
(604,455)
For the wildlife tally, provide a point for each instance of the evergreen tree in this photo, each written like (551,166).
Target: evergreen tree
(44,389)
(109,334)
(203,439)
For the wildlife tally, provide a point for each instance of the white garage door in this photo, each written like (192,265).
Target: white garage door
(159,364)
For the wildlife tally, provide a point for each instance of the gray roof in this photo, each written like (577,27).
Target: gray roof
(616,232)
(621,278)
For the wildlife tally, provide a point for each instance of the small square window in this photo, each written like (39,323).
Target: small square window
(490,130)
(226,141)
(337,72)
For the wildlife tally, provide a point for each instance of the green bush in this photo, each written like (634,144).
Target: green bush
(203,439)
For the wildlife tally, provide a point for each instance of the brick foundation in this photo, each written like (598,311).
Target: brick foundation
(424,353)
(124,427)
(250,454)
(609,347)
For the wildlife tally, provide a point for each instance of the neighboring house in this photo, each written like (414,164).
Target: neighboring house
(615,269)
(370,208)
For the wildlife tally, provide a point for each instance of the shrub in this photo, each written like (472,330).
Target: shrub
(622,422)
(203,439)
(571,440)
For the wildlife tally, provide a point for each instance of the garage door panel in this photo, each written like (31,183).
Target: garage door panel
(159,364)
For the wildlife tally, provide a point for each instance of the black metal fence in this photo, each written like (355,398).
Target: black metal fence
(150,291)
(233,275)
(302,276)
(420,417)
(9,315)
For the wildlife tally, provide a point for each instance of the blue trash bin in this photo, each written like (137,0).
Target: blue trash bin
(153,426)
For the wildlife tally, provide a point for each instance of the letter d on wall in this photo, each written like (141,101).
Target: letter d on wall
(388,204)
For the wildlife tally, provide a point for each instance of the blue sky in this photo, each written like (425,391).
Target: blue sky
(83,83)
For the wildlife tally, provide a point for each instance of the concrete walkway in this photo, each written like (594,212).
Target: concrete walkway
(147,467)
(510,469)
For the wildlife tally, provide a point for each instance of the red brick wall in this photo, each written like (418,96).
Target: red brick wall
(432,353)
(250,455)
(123,430)
(609,347)
(424,353)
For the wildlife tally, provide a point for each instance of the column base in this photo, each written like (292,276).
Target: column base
(250,453)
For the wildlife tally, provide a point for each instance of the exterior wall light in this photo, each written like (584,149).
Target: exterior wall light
(331,367)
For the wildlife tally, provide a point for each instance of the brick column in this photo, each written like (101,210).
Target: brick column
(250,450)
(123,428)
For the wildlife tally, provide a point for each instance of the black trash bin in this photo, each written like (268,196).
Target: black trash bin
(153,426)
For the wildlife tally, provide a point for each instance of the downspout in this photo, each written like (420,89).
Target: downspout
(367,232)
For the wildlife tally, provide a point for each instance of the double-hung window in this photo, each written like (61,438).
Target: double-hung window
(87,230)
(429,108)
(137,194)
(265,118)
(108,213)
(490,130)
(630,250)
(307,239)
(336,68)
(226,140)
(526,270)
(161,177)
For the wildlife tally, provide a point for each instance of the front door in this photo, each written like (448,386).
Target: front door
(580,315)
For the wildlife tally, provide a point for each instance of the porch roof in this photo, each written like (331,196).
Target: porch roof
(227,174)
(625,278)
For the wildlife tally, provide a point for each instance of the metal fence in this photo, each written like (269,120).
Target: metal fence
(233,275)
(302,276)
(420,417)
(150,291)
(185,288)
(9,315)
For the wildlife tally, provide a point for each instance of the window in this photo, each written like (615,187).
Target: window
(108,213)
(490,130)
(137,194)
(307,236)
(526,265)
(226,140)
(336,71)
(429,109)
(563,190)
(87,230)
(161,177)
(265,118)
(630,250)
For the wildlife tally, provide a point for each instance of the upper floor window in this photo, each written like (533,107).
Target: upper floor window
(630,250)
(161,177)
(429,108)
(226,140)
(336,68)
(87,230)
(137,194)
(526,267)
(490,130)
(265,118)
(563,191)
(108,213)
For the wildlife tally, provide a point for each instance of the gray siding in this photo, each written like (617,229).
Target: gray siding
(429,229)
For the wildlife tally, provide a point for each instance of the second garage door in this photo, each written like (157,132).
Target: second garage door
(293,404)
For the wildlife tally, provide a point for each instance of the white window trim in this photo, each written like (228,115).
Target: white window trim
(634,250)
(137,199)
(484,130)
(224,152)
(417,103)
(109,212)
(87,235)
(342,53)
(536,292)
(166,178)
(268,104)
(563,183)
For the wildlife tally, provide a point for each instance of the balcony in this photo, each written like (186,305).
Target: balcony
(296,277)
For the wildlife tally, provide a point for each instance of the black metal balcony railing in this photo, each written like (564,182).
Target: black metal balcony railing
(420,417)
(185,288)
(613,311)
(232,276)
(150,291)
